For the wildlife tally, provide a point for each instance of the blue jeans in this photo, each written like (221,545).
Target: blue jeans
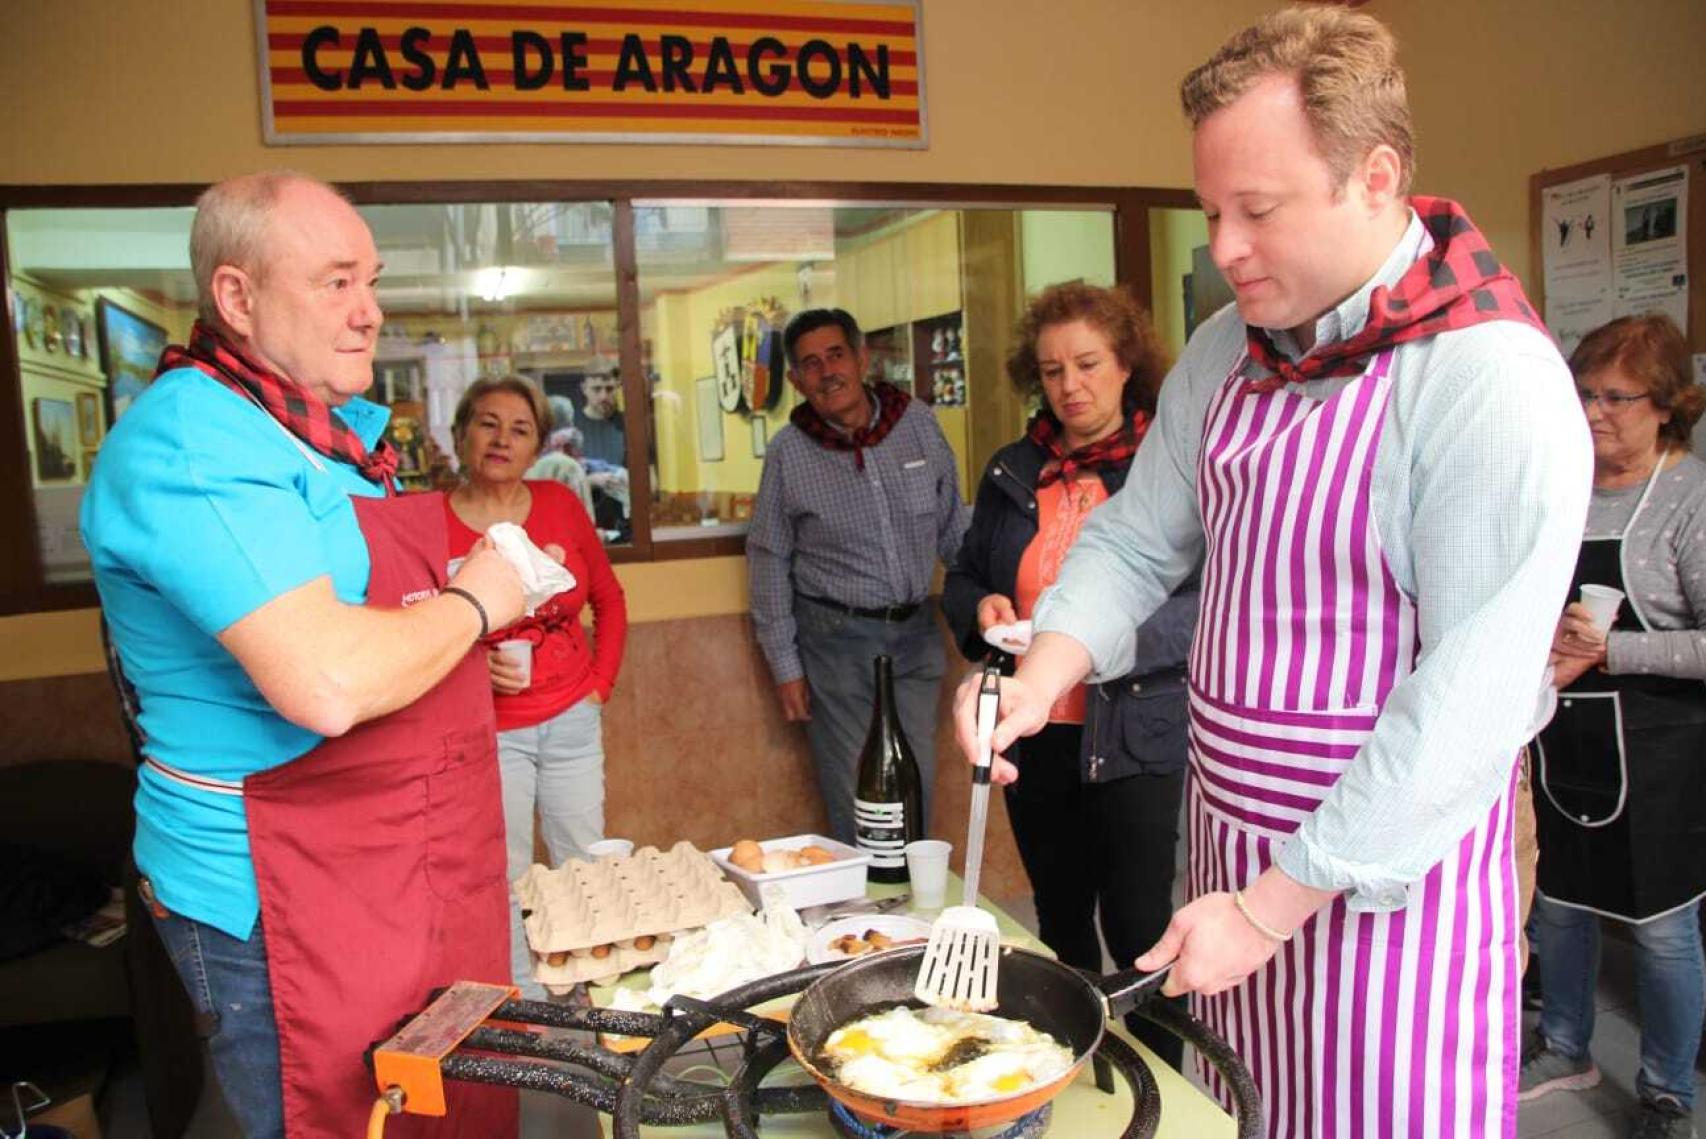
(837,650)
(227,983)
(556,767)
(1670,985)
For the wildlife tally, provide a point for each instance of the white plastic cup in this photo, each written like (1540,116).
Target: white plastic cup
(927,866)
(521,652)
(610,848)
(1602,602)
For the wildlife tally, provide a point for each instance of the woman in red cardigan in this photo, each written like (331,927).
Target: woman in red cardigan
(550,747)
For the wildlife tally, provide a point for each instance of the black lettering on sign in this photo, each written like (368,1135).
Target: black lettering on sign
(819,88)
(369,62)
(720,67)
(524,48)
(464,62)
(323,36)
(773,81)
(677,52)
(632,66)
(420,79)
(859,64)
(574,58)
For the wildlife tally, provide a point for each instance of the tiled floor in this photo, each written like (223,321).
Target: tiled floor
(1608,1110)
(1603,1113)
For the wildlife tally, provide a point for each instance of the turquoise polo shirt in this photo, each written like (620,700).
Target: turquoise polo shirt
(200,510)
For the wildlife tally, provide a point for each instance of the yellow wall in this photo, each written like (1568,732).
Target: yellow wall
(1172,236)
(923,251)
(165,91)
(57,375)
(1502,90)
(100,92)
(690,319)
(1065,246)
(68,643)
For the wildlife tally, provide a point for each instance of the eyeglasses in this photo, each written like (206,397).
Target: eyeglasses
(1610,401)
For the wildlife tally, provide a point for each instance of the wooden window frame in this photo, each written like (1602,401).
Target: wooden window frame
(22,588)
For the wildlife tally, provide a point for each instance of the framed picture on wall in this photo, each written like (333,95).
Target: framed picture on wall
(130,349)
(88,419)
(55,439)
(708,409)
(760,436)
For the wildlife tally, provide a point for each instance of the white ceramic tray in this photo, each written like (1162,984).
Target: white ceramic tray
(809,885)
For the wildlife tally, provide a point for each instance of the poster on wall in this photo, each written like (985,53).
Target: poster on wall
(1575,236)
(1649,244)
(770,72)
(130,350)
(708,415)
(54,439)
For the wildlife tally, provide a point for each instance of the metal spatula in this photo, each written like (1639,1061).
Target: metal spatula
(958,970)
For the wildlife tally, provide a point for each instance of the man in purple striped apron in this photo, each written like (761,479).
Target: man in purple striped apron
(1377,458)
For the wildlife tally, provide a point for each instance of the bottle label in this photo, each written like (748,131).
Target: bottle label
(881,829)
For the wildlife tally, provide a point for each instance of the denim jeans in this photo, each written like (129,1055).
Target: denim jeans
(837,650)
(556,767)
(1670,985)
(227,983)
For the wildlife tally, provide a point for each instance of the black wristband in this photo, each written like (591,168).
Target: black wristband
(485,625)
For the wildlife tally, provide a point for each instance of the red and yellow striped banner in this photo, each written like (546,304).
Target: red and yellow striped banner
(842,73)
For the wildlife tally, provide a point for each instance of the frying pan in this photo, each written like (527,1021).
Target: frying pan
(1068,1005)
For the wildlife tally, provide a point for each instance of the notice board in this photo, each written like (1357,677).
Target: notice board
(1621,235)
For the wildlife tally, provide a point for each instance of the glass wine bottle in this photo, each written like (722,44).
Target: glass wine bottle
(888,804)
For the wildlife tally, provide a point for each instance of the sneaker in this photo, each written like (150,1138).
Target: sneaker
(1545,1070)
(1663,1118)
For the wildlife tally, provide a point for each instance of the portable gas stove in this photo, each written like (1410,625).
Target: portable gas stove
(471,1033)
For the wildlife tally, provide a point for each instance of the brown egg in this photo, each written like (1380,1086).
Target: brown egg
(747,855)
(816,855)
(777,861)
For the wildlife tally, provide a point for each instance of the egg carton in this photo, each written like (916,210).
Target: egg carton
(588,967)
(600,918)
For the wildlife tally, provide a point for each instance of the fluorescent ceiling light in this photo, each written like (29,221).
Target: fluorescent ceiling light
(498,283)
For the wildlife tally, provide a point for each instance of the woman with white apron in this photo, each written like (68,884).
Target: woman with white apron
(1619,790)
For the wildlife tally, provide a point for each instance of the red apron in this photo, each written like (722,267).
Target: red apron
(380,861)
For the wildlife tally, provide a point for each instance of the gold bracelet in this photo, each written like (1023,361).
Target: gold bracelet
(1257,923)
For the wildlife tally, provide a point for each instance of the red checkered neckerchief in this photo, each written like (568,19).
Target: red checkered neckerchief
(1457,284)
(1114,450)
(302,413)
(891,405)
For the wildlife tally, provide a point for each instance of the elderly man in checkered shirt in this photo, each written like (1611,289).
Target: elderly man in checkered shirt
(860,496)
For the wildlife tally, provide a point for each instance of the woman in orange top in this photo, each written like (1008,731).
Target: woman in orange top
(1095,811)
(550,745)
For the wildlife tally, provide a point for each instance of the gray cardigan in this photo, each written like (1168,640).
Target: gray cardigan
(1664,569)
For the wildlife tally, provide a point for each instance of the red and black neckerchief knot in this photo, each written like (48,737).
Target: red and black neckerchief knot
(1114,450)
(301,412)
(1459,283)
(891,405)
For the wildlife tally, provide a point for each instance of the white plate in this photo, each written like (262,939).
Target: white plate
(898,926)
(1014,638)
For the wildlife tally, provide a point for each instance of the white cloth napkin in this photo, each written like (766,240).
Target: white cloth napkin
(542,578)
(1014,638)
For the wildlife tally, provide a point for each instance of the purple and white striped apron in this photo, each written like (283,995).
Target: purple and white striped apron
(1363,1024)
